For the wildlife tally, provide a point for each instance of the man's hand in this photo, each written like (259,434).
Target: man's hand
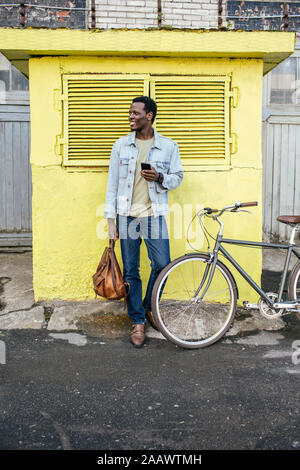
(150,175)
(113,233)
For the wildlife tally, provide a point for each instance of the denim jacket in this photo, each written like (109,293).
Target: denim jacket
(163,156)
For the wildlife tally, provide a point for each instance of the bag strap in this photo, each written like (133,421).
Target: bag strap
(112,247)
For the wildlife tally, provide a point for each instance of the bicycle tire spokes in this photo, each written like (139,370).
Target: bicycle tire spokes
(188,320)
(294,286)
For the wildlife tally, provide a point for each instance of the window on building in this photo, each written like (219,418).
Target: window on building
(194,111)
(285,83)
(95,114)
(13,85)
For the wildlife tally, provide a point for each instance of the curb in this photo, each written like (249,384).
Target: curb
(108,319)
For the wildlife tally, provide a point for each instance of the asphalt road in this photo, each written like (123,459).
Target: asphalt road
(71,391)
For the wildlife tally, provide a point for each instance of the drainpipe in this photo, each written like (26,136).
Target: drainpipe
(22,12)
(159,13)
(220,11)
(285,17)
(93,14)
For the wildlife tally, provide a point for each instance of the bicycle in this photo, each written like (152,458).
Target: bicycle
(194,298)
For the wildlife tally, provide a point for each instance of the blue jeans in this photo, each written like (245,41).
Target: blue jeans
(155,233)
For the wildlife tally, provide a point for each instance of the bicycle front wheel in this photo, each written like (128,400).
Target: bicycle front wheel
(185,318)
(294,286)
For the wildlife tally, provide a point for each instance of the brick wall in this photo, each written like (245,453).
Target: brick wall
(144,13)
(190,13)
(125,14)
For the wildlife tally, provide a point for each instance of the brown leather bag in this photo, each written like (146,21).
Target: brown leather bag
(108,280)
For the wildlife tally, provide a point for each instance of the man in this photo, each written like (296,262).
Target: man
(140,199)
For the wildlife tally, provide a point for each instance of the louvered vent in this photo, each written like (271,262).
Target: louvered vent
(194,111)
(96,115)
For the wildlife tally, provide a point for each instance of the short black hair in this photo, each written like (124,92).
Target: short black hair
(149,103)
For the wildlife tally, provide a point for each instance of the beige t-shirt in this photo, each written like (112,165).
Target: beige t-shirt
(141,205)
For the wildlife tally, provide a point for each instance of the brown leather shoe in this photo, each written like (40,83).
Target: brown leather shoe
(150,317)
(138,335)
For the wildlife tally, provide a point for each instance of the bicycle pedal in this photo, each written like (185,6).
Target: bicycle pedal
(249,306)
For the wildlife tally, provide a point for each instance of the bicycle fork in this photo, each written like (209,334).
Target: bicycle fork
(208,273)
(210,268)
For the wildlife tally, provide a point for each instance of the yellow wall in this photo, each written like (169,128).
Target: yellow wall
(67,203)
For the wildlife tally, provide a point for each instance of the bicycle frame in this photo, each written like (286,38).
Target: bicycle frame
(290,247)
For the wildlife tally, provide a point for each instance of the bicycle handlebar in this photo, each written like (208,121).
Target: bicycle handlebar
(233,208)
(207,211)
(248,204)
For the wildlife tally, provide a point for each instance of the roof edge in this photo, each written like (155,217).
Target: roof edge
(18,45)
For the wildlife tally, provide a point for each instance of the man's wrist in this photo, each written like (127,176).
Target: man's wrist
(160,178)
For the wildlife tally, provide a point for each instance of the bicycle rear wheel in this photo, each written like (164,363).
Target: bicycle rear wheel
(294,285)
(186,321)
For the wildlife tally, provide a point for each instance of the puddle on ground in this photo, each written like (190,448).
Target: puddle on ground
(72,338)
(275,354)
(295,370)
(262,339)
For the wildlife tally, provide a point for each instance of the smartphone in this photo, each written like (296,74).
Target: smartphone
(146,166)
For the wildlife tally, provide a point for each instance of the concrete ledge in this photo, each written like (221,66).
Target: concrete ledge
(252,320)
(109,320)
(23,319)
(70,315)
(105,325)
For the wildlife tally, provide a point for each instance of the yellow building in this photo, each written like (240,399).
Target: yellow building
(208,88)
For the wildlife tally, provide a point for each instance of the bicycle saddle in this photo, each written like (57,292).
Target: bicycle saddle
(289,219)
